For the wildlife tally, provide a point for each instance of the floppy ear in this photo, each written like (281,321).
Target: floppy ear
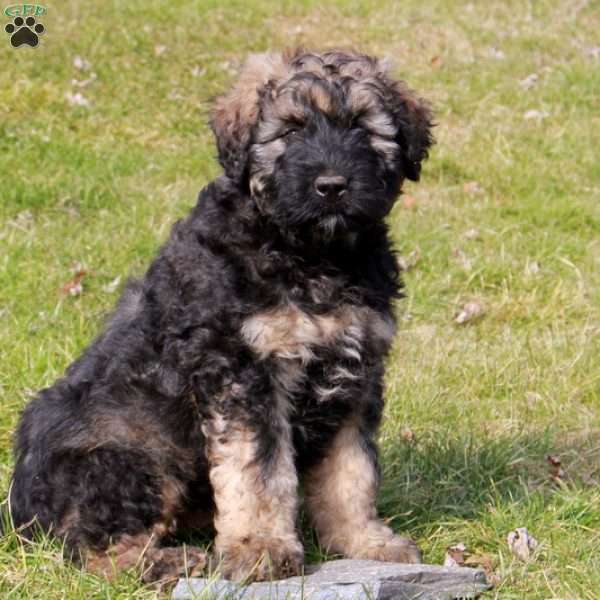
(235,114)
(414,120)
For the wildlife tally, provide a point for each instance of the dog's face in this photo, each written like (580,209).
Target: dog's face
(322,141)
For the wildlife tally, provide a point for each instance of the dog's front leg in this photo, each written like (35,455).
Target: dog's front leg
(341,493)
(254,480)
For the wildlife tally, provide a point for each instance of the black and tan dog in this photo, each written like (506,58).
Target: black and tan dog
(248,361)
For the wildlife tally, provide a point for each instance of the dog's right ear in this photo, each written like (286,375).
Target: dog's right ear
(235,114)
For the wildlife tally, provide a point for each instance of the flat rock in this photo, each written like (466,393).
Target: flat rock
(347,580)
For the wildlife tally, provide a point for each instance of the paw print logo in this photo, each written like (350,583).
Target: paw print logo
(24,31)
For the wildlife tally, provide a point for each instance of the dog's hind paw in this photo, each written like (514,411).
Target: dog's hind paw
(170,563)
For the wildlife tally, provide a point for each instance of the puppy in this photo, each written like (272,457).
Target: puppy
(249,359)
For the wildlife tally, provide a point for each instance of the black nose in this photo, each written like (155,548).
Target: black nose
(332,186)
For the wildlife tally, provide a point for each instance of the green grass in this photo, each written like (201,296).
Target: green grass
(485,402)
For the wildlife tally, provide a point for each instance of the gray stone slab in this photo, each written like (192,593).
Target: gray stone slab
(348,580)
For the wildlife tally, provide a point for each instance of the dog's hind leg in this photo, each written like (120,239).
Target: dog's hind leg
(112,505)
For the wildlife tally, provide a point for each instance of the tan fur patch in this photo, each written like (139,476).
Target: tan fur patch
(249,503)
(288,332)
(125,554)
(141,552)
(171,495)
(236,112)
(340,496)
(254,509)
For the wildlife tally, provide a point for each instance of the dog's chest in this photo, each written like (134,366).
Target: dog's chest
(338,343)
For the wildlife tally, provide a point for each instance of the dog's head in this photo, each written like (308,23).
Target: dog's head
(321,140)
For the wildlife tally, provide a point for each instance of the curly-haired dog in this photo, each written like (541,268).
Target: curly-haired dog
(249,359)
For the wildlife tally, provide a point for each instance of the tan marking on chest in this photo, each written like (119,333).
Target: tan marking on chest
(290,333)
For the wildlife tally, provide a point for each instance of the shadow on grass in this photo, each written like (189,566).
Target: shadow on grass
(447,477)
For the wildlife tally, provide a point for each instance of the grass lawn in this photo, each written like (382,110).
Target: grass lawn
(507,216)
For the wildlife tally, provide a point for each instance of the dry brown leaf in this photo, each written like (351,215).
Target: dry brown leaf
(75,286)
(436,62)
(472,187)
(408,201)
(455,555)
(469,312)
(408,435)
(521,543)
(557,474)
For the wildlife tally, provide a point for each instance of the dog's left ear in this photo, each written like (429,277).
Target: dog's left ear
(414,121)
(235,114)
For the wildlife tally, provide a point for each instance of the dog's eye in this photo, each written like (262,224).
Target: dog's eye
(290,133)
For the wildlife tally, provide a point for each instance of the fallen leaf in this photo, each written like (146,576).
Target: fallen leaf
(521,543)
(455,555)
(81,64)
(464,261)
(408,435)
(436,62)
(529,81)
(472,234)
(469,312)
(75,286)
(472,187)
(77,99)
(408,201)
(111,288)
(406,263)
(538,115)
(557,474)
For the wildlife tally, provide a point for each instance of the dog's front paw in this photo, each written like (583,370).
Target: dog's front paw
(396,549)
(260,558)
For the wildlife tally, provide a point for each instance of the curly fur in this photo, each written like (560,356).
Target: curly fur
(249,358)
